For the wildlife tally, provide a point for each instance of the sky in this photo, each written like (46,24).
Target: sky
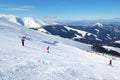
(62,9)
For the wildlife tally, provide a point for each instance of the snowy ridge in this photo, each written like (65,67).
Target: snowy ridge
(112,48)
(117,41)
(11,18)
(97,30)
(67,60)
(28,22)
(98,24)
(79,31)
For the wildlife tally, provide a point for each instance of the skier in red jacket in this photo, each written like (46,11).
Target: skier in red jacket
(110,62)
(48,49)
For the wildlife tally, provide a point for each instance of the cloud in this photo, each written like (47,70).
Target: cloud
(117,18)
(51,17)
(22,8)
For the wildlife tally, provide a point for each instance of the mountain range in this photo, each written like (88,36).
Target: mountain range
(67,59)
(28,22)
(95,34)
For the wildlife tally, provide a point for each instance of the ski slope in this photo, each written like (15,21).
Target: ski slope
(67,60)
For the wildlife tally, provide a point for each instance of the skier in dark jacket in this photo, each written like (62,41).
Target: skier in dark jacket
(23,40)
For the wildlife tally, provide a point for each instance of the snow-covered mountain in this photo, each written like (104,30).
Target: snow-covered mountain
(69,32)
(98,24)
(67,60)
(11,18)
(95,35)
(90,22)
(31,23)
(112,48)
(28,22)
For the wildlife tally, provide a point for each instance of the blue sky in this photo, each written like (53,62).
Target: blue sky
(62,9)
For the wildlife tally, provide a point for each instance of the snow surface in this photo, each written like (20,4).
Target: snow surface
(30,23)
(43,30)
(108,36)
(83,33)
(97,31)
(11,18)
(79,31)
(112,48)
(77,36)
(67,60)
(117,41)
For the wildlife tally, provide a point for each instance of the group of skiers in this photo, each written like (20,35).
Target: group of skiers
(23,43)
(48,48)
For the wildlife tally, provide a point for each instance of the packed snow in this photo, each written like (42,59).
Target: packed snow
(117,41)
(83,33)
(97,30)
(79,31)
(67,60)
(112,48)
(108,36)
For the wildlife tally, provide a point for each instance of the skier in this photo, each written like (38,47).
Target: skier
(110,62)
(48,49)
(23,40)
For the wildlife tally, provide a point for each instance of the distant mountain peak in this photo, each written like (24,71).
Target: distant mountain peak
(98,24)
(10,17)
(28,22)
